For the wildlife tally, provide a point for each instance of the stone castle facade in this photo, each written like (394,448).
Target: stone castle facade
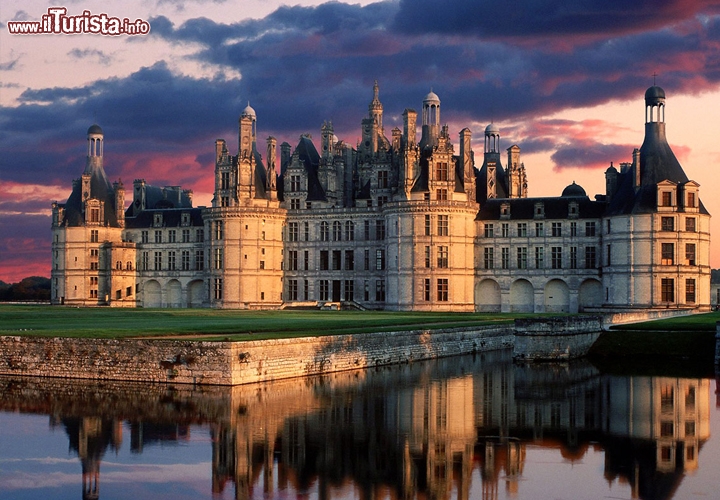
(393,223)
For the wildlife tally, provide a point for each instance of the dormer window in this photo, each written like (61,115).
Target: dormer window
(539,211)
(573,210)
(669,194)
(505,211)
(157,220)
(666,199)
(185,219)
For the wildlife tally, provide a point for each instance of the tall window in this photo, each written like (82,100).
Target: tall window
(380,290)
(690,254)
(218,289)
(522,256)
(668,254)
(442,290)
(171,260)
(427,257)
(349,230)
(383,179)
(145,265)
(324,260)
(324,231)
(294,183)
(380,229)
(349,290)
(690,224)
(573,229)
(199,260)
(667,224)
(199,235)
(379,259)
(489,230)
(589,229)
(441,194)
(218,258)
(691,200)
(539,257)
(292,260)
(218,230)
(522,229)
(505,228)
(292,290)
(293,231)
(539,229)
(426,290)
(349,260)
(186,236)
(172,236)
(144,237)
(324,289)
(489,258)
(443,225)
(442,260)
(556,257)
(557,229)
(573,258)
(666,199)
(427,224)
(667,289)
(690,291)
(505,257)
(94,236)
(158,236)
(590,257)
(337,231)
(441,171)
(158,261)
(225,180)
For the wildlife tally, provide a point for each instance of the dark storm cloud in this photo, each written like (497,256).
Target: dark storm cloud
(590,154)
(514,19)
(92,54)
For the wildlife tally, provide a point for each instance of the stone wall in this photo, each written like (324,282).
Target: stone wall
(557,338)
(231,363)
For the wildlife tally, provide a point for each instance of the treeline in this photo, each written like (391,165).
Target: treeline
(34,288)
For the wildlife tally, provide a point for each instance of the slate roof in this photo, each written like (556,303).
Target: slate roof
(172,217)
(101,189)
(554,208)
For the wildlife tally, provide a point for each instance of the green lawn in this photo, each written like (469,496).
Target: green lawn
(228,325)
(696,322)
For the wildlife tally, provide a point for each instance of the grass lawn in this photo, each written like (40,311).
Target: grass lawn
(696,322)
(228,325)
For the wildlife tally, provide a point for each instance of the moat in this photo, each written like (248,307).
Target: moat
(469,427)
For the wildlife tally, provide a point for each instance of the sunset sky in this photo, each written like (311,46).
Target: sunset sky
(564,80)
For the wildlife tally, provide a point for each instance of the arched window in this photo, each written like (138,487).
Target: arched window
(324,231)
(128,266)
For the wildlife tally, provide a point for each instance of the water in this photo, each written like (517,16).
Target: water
(469,427)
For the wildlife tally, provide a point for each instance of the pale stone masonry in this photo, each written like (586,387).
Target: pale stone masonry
(392,223)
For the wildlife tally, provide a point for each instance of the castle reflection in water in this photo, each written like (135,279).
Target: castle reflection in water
(420,430)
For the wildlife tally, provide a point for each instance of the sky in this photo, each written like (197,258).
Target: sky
(564,80)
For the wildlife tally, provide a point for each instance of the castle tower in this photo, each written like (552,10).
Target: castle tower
(430,121)
(246,148)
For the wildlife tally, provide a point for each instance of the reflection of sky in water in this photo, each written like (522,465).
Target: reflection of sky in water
(38,461)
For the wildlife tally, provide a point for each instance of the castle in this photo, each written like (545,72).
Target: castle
(393,223)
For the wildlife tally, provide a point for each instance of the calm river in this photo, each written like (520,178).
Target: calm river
(475,427)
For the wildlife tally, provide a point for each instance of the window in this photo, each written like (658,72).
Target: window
(667,290)
(292,290)
(443,224)
(324,260)
(557,229)
(336,260)
(690,254)
(383,179)
(306,260)
(171,261)
(186,236)
(218,288)
(608,226)
(324,289)
(367,260)
(349,290)
(690,401)
(573,258)
(522,258)
(667,257)
(590,257)
(505,228)
(609,255)
(172,234)
(218,230)
(539,229)
(427,257)
(689,429)
(426,290)
(292,260)
(380,259)
(224,201)
(505,257)
(441,195)
(199,260)
(306,231)
(539,257)
(144,237)
(94,236)
(294,183)
(489,231)
(427,224)
(522,229)
(667,224)
(158,236)
(442,259)
(349,260)
(442,290)
(295,204)
(128,291)
(556,257)
(573,229)
(324,231)
(690,291)
(441,171)
(666,199)
(349,230)
(337,231)
(158,261)
(199,235)
(94,215)
(380,290)
(261,265)
(225,180)
(367,230)
(488,258)
(157,220)
(691,200)
(380,229)
(293,231)
(218,258)
(690,224)
(666,429)
(589,229)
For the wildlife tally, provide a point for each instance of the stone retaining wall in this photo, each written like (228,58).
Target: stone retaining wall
(232,363)
(559,338)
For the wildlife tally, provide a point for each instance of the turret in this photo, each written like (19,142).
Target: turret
(430,121)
